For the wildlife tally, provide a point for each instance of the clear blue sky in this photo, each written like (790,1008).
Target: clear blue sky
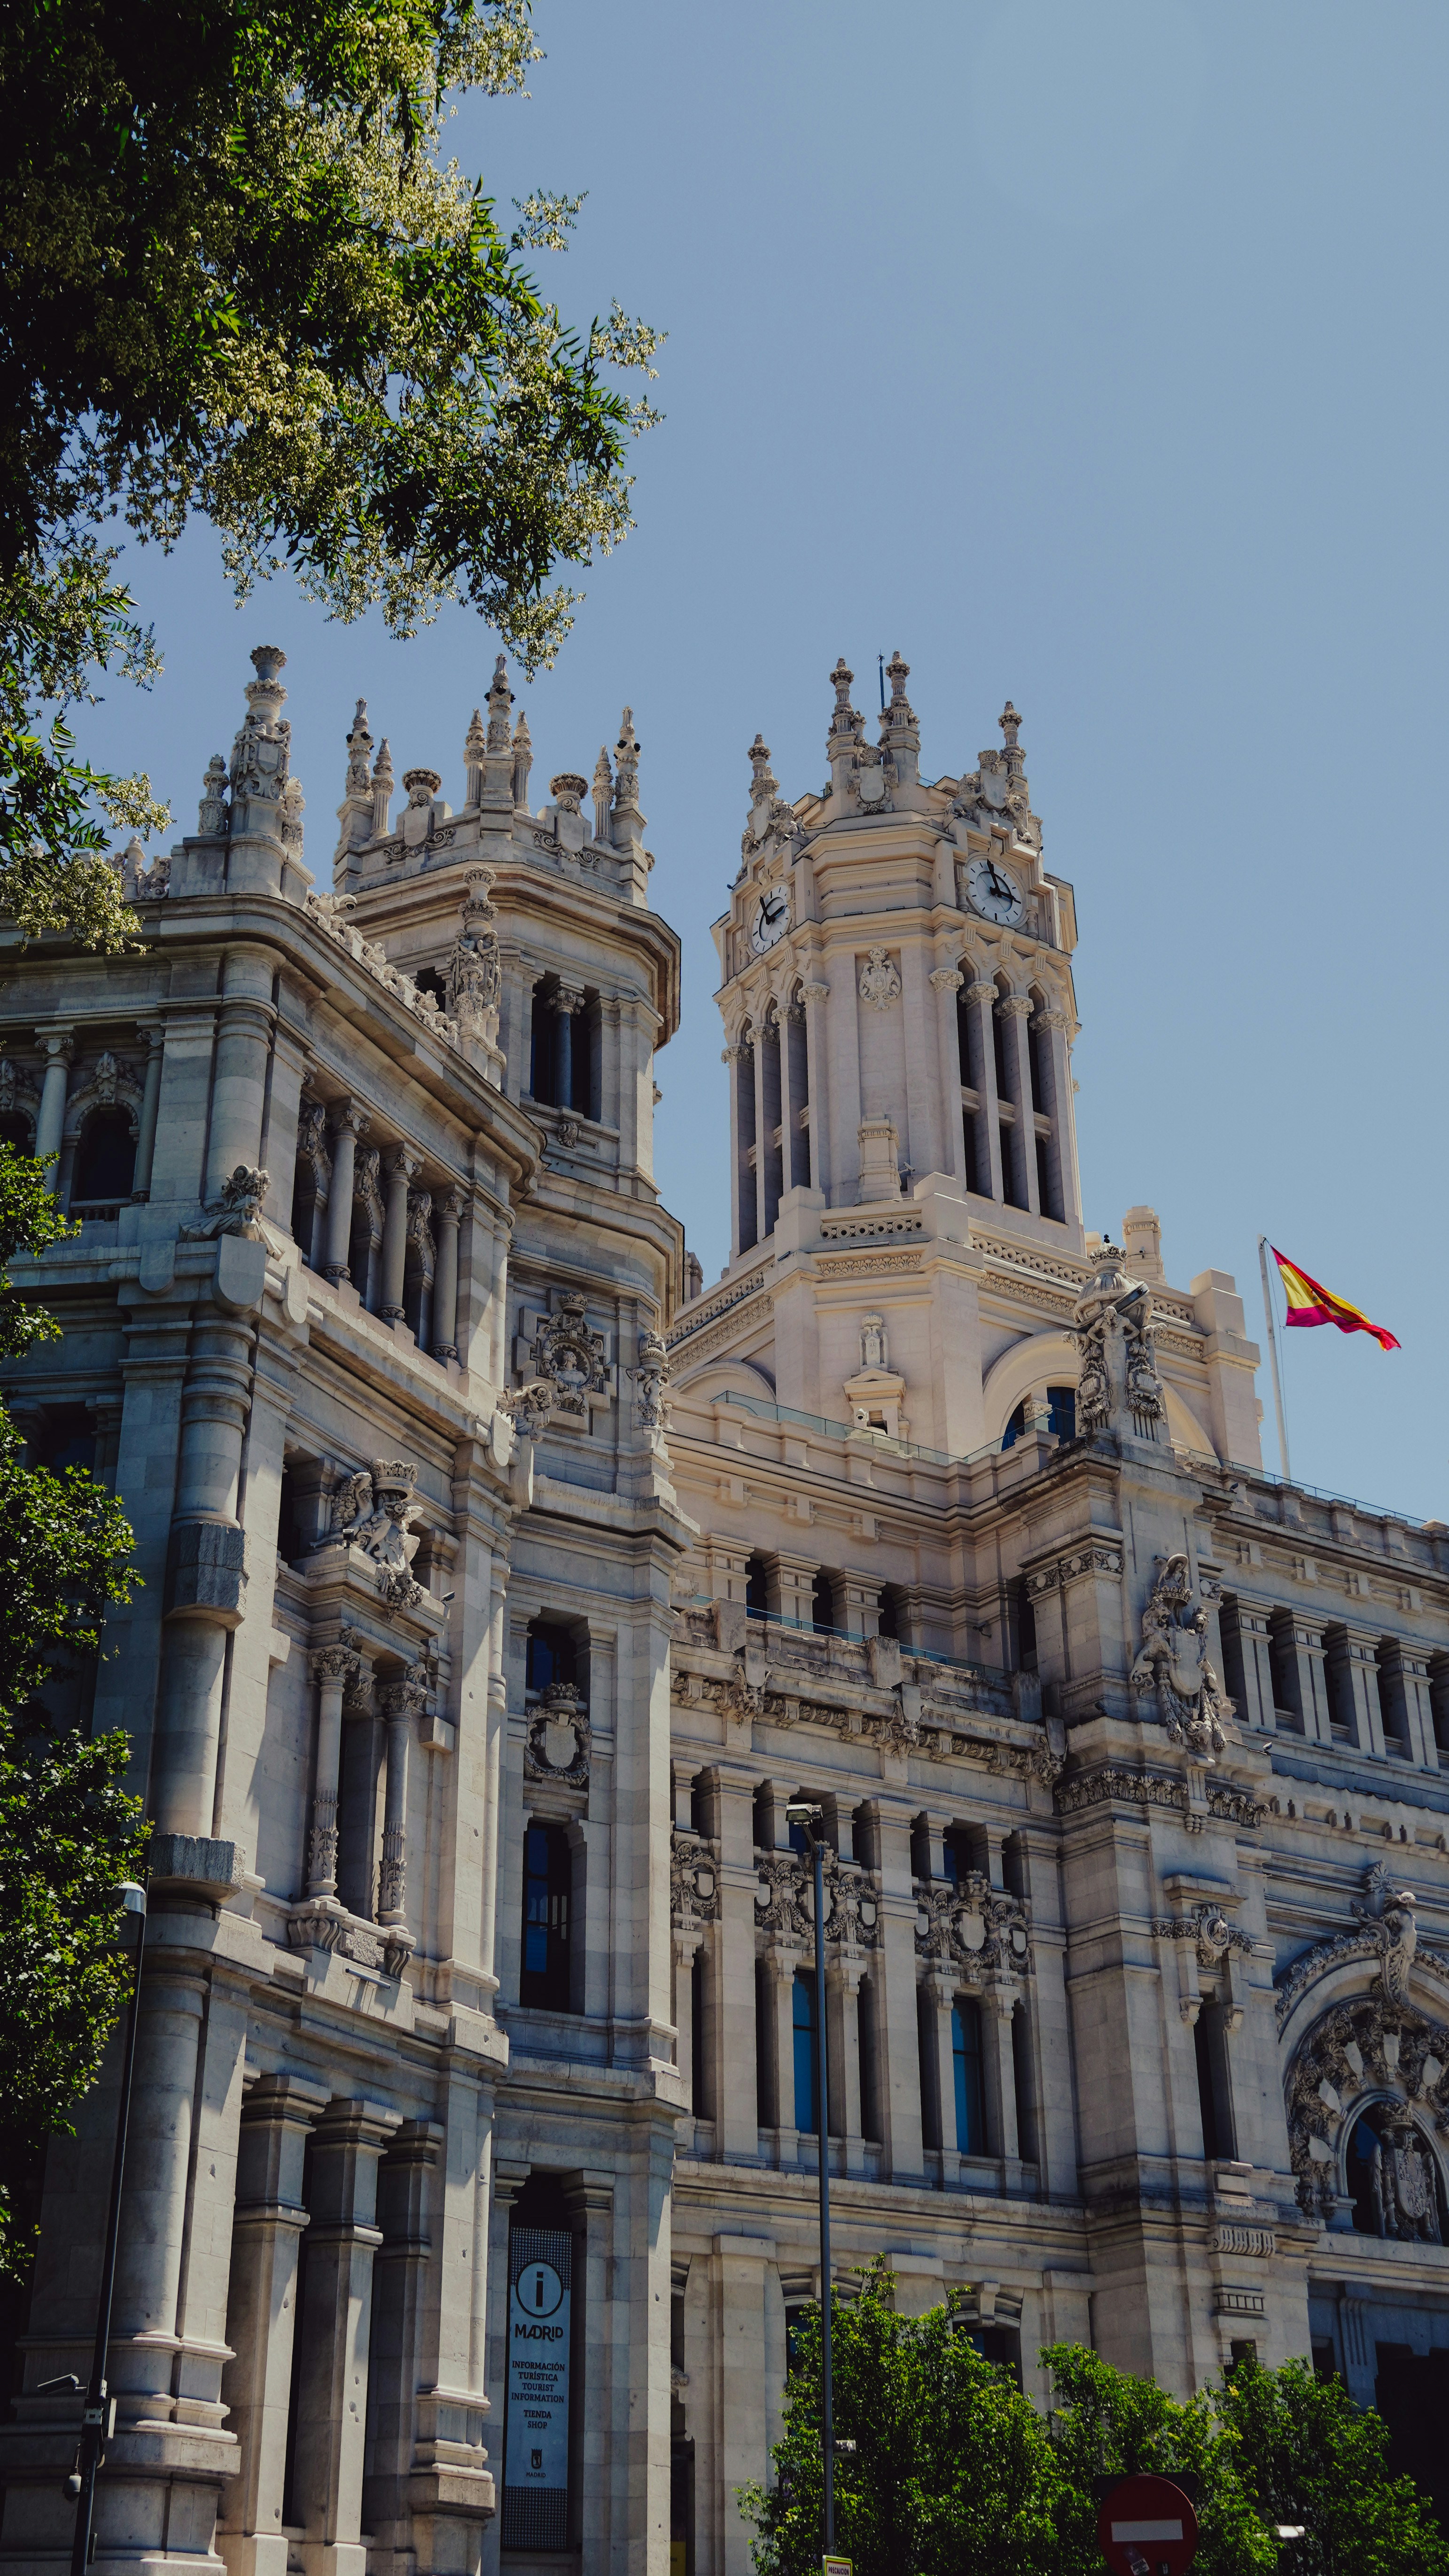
(1092,352)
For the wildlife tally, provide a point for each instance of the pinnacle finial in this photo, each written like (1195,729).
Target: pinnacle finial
(845,718)
(627,749)
(500,699)
(763,782)
(359,746)
(1010,723)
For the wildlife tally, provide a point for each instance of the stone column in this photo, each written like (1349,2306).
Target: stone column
(728,2036)
(687,1940)
(814,994)
(57,1048)
(333,1667)
(347,1123)
(402,1170)
(152,1036)
(1307,1667)
(400,1703)
(898,2038)
(204,1573)
(783,1961)
(239,1074)
(981,999)
(336,2319)
(741,2270)
(1057,1027)
(1363,1678)
(445,1286)
(261,2316)
(602,2455)
(940,1999)
(1015,1009)
(400,2279)
(946,983)
(998,2004)
(843,1975)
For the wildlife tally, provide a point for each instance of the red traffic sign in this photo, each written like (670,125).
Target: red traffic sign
(1147,2527)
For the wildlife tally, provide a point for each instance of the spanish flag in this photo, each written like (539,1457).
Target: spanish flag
(1311,1303)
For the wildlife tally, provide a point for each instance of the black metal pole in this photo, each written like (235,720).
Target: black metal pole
(817,1837)
(93,2418)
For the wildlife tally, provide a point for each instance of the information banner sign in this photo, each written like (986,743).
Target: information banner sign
(536,2446)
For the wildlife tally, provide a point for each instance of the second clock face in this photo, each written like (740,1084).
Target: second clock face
(994,892)
(770,920)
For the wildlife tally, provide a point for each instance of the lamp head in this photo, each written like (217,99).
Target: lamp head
(131,1897)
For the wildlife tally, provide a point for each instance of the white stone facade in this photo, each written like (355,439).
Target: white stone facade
(502,1585)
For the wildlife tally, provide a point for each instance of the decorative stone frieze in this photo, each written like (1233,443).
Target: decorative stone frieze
(693,1879)
(966,1924)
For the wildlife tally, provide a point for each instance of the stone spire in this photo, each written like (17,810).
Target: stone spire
(496,792)
(764,785)
(603,793)
(212,819)
(354,814)
(844,736)
(522,762)
(473,750)
(628,821)
(900,735)
(261,753)
(1010,723)
(382,783)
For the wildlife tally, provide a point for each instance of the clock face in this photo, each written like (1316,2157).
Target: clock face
(770,919)
(994,892)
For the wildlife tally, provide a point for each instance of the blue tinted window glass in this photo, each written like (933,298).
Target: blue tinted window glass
(805,2099)
(970,2091)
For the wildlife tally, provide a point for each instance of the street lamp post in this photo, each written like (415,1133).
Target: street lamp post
(96,2416)
(813,1820)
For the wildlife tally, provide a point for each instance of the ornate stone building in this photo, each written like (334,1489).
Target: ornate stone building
(503,1585)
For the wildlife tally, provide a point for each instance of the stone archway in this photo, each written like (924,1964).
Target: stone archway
(1371,2064)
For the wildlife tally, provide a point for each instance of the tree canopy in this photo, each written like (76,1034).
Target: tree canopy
(954,2473)
(237,277)
(68,1830)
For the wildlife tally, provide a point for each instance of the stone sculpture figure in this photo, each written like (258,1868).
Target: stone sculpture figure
(1119,1389)
(1406,2204)
(1173,1662)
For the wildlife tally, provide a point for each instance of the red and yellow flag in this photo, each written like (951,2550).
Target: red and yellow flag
(1309,1302)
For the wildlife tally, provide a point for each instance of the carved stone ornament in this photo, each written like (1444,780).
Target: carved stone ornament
(1119,1389)
(529,1407)
(1387,1933)
(880,982)
(785,1900)
(1173,1663)
(568,1350)
(1211,1933)
(651,1382)
(237,1211)
(261,753)
(693,1879)
(1389,2066)
(375,1512)
(966,1924)
(560,1739)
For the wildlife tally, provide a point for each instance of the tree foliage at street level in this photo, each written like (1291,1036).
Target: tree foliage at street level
(954,2473)
(68,1831)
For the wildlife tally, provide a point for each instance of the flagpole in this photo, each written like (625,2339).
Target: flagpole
(1273,1356)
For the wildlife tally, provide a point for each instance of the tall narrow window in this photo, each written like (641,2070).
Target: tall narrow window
(822,1604)
(772,1142)
(970,2085)
(105,1159)
(1393,1698)
(744,1072)
(756,1589)
(807,2099)
(868,2060)
(547,1894)
(1213,2094)
(797,1143)
(703,2109)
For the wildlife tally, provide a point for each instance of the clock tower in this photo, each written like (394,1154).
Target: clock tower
(898,1009)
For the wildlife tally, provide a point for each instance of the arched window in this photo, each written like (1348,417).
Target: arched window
(1061,1417)
(545,1982)
(105,1160)
(16,1130)
(807,2100)
(970,2084)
